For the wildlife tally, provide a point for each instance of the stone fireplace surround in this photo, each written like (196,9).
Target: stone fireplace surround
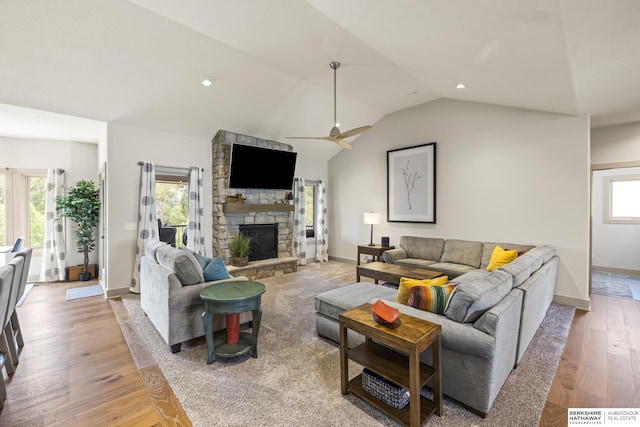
(259,207)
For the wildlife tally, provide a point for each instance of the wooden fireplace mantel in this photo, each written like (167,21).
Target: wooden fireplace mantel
(244,208)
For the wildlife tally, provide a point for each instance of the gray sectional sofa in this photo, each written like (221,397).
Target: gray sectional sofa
(489,321)
(170,283)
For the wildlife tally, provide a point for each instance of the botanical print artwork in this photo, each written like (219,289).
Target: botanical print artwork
(409,181)
(411,184)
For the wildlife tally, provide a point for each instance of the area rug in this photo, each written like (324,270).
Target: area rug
(296,378)
(84,292)
(611,285)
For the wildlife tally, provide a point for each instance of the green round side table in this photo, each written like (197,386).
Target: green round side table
(229,298)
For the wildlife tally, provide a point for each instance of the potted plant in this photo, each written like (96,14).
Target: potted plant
(82,205)
(239,248)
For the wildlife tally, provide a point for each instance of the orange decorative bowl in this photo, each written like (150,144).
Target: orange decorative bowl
(384,312)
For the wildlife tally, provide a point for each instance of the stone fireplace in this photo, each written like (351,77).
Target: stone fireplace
(259,207)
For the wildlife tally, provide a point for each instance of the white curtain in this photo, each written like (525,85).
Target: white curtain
(299,222)
(321,230)
(54,251)
(195,234)
(147,222)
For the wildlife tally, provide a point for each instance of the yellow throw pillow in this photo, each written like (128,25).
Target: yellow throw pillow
(406,284)
(500,257)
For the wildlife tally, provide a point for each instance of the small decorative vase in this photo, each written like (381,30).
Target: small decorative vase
(85,277)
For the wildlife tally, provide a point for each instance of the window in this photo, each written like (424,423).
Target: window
(623,195)
(35,227)
(172,207)
(310,202)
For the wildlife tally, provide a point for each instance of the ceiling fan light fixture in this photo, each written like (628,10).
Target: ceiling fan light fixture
(335,135)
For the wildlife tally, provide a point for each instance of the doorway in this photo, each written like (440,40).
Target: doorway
(615,230)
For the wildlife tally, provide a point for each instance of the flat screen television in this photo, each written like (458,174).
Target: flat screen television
(261,168)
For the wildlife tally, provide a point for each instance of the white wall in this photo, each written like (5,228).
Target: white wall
(126,147)
(78,159)
(503,174)
(613,144)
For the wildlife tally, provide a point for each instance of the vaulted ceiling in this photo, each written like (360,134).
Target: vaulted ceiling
(140,62)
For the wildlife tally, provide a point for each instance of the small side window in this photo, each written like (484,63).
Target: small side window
(622,199)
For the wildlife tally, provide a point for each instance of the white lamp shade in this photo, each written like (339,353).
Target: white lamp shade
(371,218)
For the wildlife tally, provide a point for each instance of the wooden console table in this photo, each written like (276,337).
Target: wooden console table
(412,337)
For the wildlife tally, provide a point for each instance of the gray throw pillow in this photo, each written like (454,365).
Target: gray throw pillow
(472,298)
(182,263)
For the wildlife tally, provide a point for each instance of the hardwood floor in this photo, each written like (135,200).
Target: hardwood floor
(600,364)
(76,368)
(82,364)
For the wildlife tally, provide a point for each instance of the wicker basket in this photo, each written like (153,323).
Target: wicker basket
(388,392)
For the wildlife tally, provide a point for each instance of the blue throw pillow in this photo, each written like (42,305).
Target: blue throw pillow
(202,260)
(215,270)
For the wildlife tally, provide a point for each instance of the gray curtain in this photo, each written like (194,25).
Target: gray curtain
(321,231)
(147,221)
(54,251)
(299,222)
(195,234)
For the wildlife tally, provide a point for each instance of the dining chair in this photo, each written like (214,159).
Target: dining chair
(18,244)
(6,279)
(15,324)
(7,340)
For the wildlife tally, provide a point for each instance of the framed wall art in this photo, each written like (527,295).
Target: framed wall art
(411,184)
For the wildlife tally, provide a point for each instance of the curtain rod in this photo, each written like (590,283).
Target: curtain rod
(7,168)
(171,167)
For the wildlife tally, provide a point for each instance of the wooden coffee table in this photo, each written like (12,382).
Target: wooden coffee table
(392,272)
(411,337)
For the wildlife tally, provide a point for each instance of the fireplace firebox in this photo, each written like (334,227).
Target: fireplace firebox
(264,240)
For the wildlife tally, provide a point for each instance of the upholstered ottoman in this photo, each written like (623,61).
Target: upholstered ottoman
(328,306)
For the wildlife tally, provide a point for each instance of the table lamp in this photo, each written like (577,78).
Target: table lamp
(371,218)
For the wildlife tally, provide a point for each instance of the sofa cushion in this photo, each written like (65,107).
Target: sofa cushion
(501,257)
(422,247)
(336,301)
(470,275)
(415,262)
(182,263)
(472,298)
(430,298)
(450,269)
(487,251)
(465,252)
(152,247)
(406,284)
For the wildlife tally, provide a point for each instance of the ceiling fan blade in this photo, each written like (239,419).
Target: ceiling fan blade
(353,132)
(342,143)
(328,138)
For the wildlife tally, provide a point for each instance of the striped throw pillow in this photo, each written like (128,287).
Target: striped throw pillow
(430,298)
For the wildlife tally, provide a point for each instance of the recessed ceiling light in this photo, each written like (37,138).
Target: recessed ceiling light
(461,86)
(414,93)
(206,81)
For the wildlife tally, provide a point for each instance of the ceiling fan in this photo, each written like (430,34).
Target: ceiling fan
(335,135)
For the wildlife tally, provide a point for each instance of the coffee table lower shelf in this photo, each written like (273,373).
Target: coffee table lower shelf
(427,407)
